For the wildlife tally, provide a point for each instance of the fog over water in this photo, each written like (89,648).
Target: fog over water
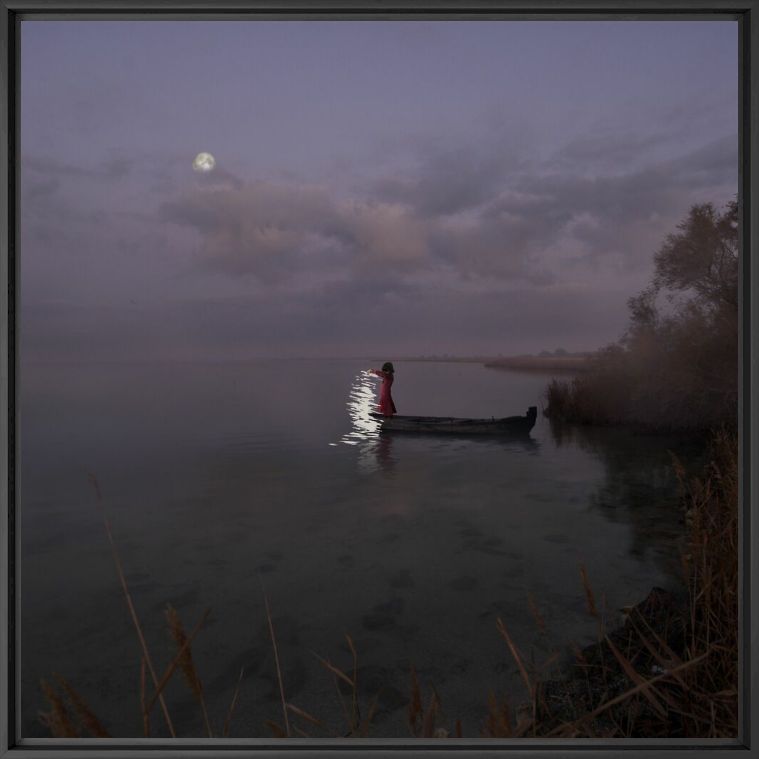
(217,477)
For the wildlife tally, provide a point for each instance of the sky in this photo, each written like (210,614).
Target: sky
(384,189)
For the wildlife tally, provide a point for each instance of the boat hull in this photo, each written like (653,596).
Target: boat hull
(448,425)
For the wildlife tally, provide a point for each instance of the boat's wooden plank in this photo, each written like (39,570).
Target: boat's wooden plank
(448,424)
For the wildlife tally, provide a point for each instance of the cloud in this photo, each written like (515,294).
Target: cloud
(453,250)
(446,180)
(276,232)
(113,168)
(465,214)
(455,212)
(625,214)
(606,149)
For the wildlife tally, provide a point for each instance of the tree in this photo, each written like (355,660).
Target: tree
(644,317)
(702,257)
(699,262)
(686,358)
(676,366)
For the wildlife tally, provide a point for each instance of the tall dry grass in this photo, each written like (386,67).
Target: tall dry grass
(186,663)
(683,379)
(711,566)
(672,669)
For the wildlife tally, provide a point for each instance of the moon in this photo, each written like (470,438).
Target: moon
(204,162)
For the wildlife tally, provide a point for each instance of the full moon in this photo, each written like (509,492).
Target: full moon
(204,162)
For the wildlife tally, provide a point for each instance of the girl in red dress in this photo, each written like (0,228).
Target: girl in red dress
(386,405)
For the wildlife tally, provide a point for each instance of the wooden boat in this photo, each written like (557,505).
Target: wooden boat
(509,425)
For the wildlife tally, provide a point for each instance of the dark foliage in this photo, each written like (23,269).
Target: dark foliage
(676,366)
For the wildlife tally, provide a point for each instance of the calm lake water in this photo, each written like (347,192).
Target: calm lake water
(218,478)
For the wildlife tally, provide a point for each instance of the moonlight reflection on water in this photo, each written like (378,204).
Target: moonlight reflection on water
(361,403)
(374,450)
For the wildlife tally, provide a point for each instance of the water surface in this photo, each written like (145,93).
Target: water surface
(219,479)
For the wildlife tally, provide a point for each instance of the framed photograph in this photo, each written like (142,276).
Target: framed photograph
(378,377)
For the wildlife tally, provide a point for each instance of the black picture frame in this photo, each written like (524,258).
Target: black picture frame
(746,12)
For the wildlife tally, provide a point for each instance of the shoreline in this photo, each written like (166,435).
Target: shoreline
(652,637)
(564,364)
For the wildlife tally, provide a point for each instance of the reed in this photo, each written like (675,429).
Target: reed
(143,700)
(231,710)
(690,647)
(276,730)
(276,661)
(424,721)
(130,603)
(517,658)
(87,718)
(366,722)
(357,726)
(186,663)
(176,663)
(711,564)
(429,729)
(415,710)
(498,723)
(57,720)
(669,386)
(353,716)
(358,721)
(589,597)
(305,715)
(536,615)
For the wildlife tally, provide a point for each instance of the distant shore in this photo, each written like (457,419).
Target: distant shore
(570,363)
(447,359)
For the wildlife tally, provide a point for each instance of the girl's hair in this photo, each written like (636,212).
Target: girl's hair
(387,367)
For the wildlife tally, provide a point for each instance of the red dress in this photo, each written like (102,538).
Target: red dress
(386,405)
